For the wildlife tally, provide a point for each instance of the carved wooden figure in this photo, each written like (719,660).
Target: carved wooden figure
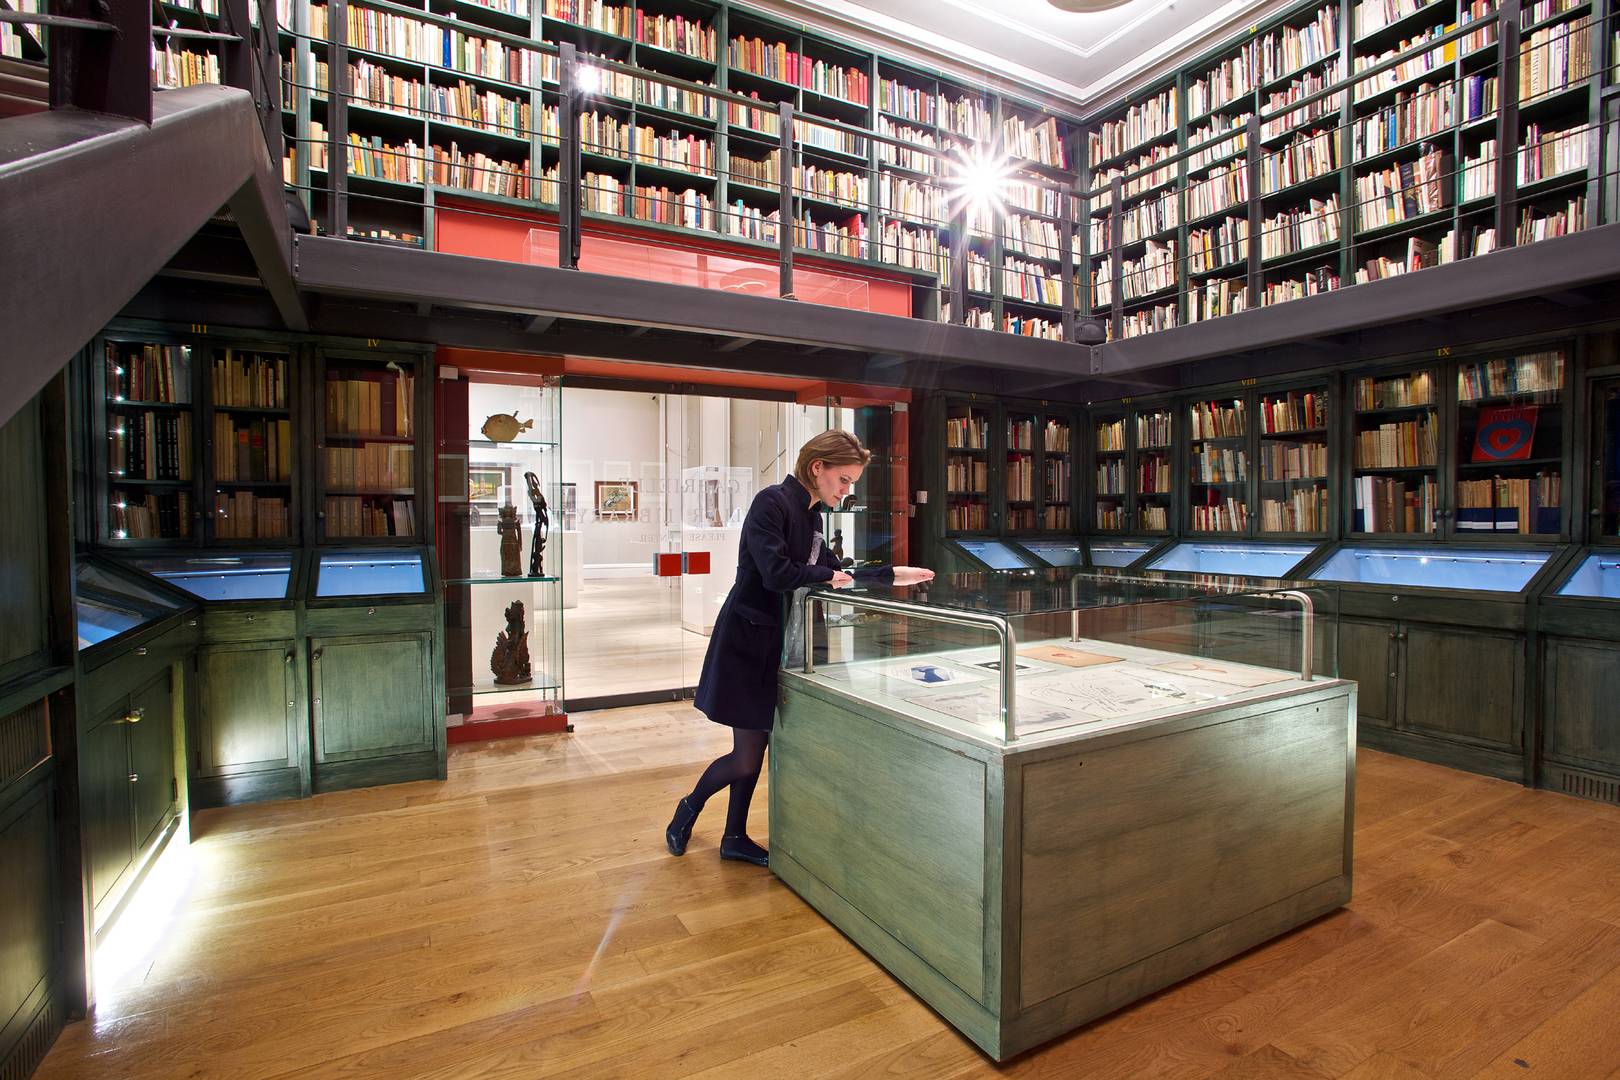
(511,530)
(510,660)
(542,526)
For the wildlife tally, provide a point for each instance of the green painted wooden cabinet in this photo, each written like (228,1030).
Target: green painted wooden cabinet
(127,785)
(31,915)
(372,697)
(249,742)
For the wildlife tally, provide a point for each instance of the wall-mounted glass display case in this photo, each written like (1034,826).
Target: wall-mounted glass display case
(989,555)
(1056,552)
(1248,558)
(381,575)
(1578,662)
(368,470)
(1433,568)
(1119,553)
(112,604)
(224,577)
(1133,484)
(1595,577)
(1067,701)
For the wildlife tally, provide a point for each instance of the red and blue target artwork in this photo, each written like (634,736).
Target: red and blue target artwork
(1506,433)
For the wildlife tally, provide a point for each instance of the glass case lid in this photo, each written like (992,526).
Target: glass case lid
(1233,557)
(1058,589)
(108,604)
(370,573)
(995,554)
(223,576)
(1508,570)
(1119,552)
(1056,552)
(1596,576)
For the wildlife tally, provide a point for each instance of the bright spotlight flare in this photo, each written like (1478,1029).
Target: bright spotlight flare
(976,179)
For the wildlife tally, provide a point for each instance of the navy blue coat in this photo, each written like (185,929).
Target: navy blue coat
(738,684)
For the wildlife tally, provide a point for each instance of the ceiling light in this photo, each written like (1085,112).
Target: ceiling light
(1087,5)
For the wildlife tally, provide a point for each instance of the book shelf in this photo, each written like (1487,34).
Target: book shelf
(147,423)
(1295,462)
(1398,175)
(1509,437)
(369,469)
(968,497)
(1219,495)
(252,450)
(1133,486)
(1395,452)
(461,100)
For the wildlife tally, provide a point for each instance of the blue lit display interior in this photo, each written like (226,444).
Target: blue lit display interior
(1597,576)
(995,554)
(217,577)
(108,605)
(370,573)
(1118,552)
(1436,568)
(1254,559)
(1055,552)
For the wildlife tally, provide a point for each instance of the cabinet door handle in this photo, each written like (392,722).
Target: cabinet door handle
(289,657)
(134,716)
(1401,636)
(134,777)
(1392,635)
(316,655)
(141,651)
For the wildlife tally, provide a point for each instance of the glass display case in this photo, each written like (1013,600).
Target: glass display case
(1218,466)
(224,577)
(1510,445)
(368,469)
(382,574)
(111,604)
(1065,701)
(1506,571)
(1596,577)
(147,418)
(967,468)
(1395,453)
(1132,481)
(990,555)
(1056,552)
(1118,553)
(1250,558)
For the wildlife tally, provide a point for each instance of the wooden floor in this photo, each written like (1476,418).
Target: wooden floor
(523,920)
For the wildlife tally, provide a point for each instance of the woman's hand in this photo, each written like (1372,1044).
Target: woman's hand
(912,575)
(841,580)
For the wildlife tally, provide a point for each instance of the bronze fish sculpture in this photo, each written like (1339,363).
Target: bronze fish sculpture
(504,427)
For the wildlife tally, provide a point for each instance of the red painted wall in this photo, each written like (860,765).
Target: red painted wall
(516,237)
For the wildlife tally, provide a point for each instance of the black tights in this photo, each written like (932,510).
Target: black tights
(739,769)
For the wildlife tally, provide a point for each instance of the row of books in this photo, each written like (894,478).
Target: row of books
(1223,84)
(1032,282)
(373,402)
(1037,141)
(259,450)
(174,68)
(1222,513)
(1032,326)
(1020,479)
(1510,504)
(1542,10)
(1235,127)
(1218,245)
(1137,181)
(967,517)
(1021,517)
(1414,114)
(835,185)
(1297,410)
(676,33)
(1402,191)
(1559,221)
(1300,229)
(370,467)
(360,516)
(1405,70)
(456,168)
(1383,504)
(1219,465)
(1420,255)
(1057,479)
(916,249)
(1034,236)
(429,43)
(1224,188)
(1301,88)
(604,133)
(1293,461)
(1138,222)
(1533,373)
(1218,419)
(1217,298)
(910,198)
(149,445)
(1555,57)
(774,60)
(1111,477)
(1394,391)
(148,372)
(967,476)
(977,317)
(1371,15)
(1056,516)
(1154,272)
(1021,434)
(1398,444)
(1547,154)
(1111,437)
(978,272)
(1304,510)
(1478,177)
(1153,429)
(150,516)
(1144,121)
(1056,437)
(1153,475)
(1311,283)
(1113,518)
(1308,156)
(965,116)
(242,515)
(244,378)
(688,208)
(1479,96)
(967,432)
(1290,48)
(906,157)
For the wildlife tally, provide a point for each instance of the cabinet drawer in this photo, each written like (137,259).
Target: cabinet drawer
(369,619)
(265,625)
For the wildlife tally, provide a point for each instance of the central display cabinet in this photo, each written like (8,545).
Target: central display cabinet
(1064,762)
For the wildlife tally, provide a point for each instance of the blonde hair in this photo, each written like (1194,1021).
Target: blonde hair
(833,447)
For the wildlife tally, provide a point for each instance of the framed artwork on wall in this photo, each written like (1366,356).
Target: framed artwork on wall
(486,483)
(616,500)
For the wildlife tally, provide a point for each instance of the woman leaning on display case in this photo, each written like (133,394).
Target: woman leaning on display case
(782,550)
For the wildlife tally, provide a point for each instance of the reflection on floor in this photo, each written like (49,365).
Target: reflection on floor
(625,637)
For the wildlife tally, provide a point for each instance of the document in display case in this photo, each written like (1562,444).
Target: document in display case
(1071,757)
(218,577)
(1249,558)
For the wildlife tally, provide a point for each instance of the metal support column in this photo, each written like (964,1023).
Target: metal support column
(569,175)
(1507,122)
(337,120)
(1065,245)
(959,264)
(1116,263)
(784,206)
(102,69)
(1252,164)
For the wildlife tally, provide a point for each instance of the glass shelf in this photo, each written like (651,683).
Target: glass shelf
(496,579)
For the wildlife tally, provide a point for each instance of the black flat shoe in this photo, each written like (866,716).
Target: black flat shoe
(680,827)
(743,850)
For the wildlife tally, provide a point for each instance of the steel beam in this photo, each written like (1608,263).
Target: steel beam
(339,267)
(92,206)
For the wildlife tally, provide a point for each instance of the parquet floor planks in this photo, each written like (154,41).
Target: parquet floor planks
(523,920)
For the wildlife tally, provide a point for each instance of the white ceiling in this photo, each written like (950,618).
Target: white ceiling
(1080,57)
